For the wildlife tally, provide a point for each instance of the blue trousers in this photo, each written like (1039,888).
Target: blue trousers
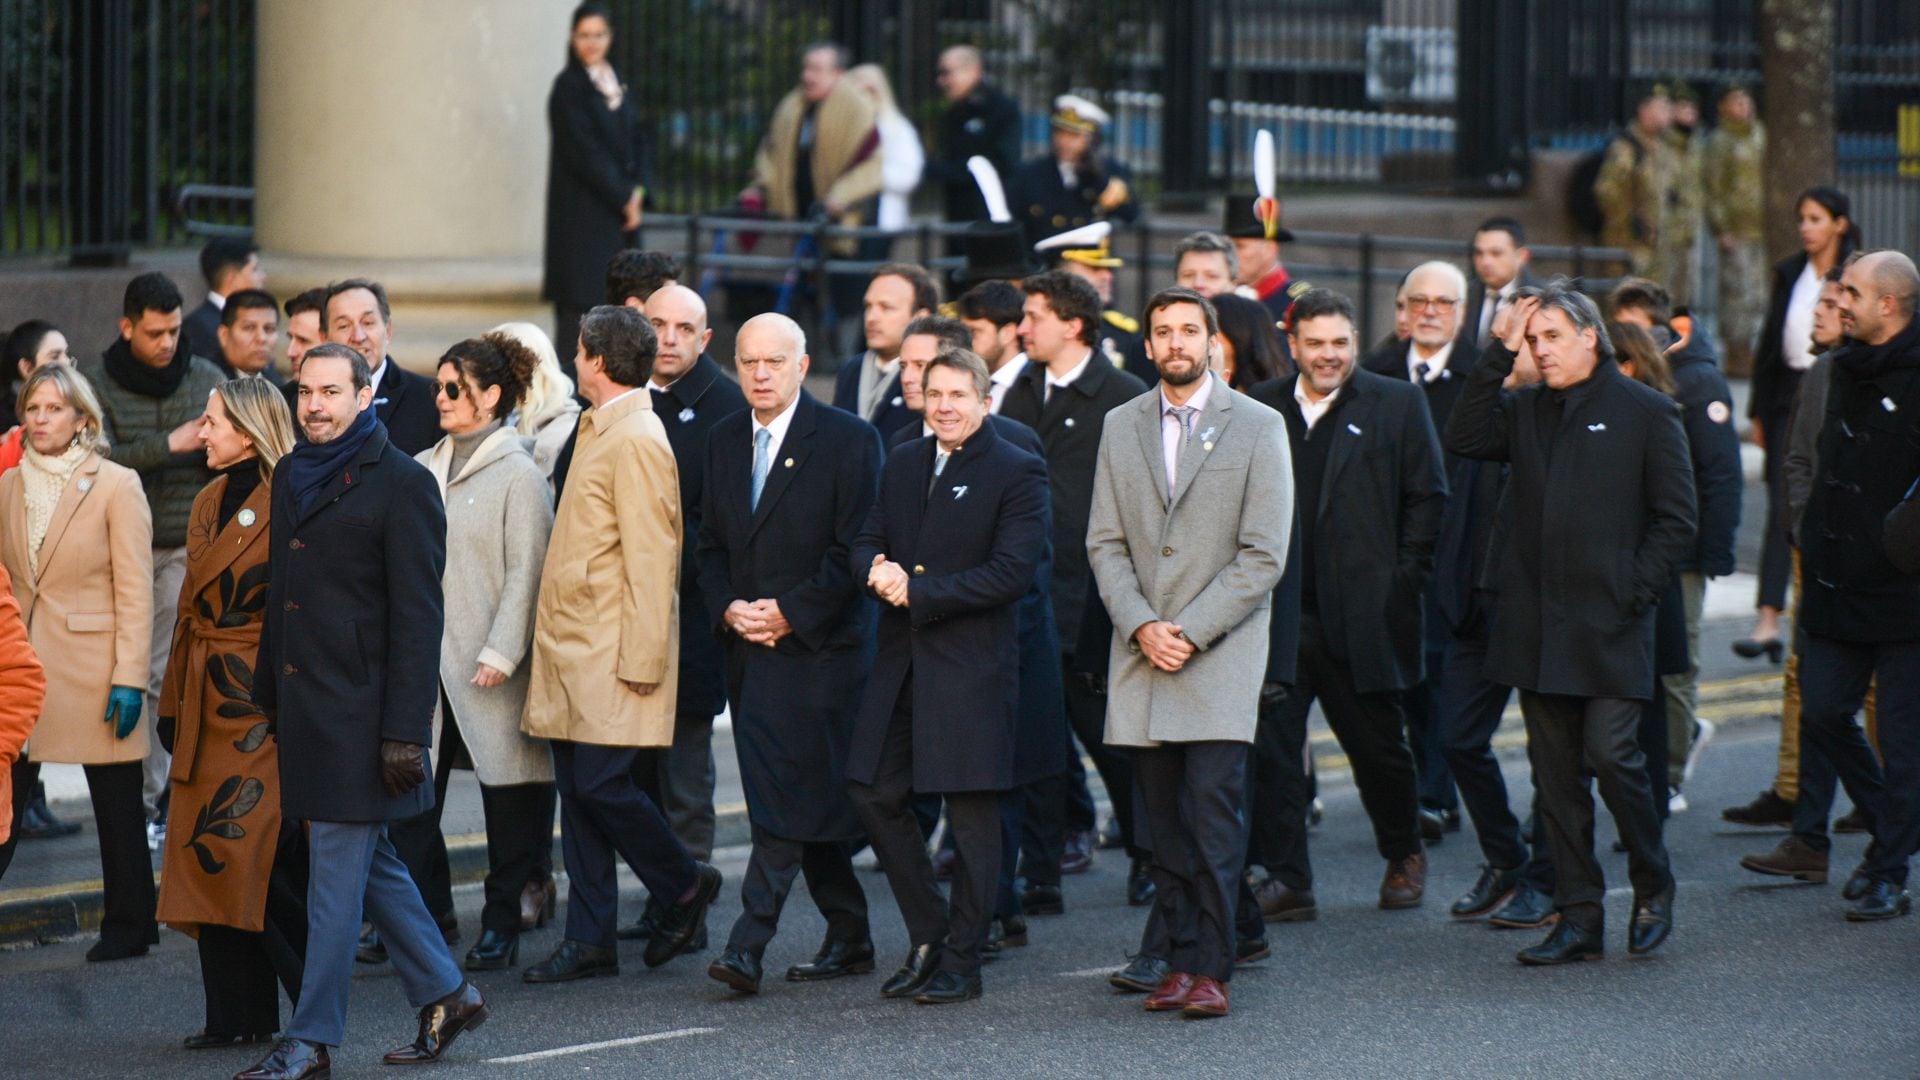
(355,873)
(603,812)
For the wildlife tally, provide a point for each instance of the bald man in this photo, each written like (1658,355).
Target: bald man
(979,120)
(691,393)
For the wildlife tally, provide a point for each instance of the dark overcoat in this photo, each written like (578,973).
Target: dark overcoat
(1374,530)
(1044,204)
(404,403)
(971,544)
(596,159)
(1588,536)
(793,704)
(350,649)
(688,410)
(893,415)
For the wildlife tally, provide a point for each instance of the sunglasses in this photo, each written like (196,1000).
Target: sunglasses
(451,389)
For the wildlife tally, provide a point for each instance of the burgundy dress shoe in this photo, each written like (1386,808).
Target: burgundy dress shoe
(1172,994)
(290,1059)
(1207,1000)
(440,1023)
(1076,855)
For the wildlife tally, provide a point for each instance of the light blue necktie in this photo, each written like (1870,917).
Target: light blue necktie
(762,438)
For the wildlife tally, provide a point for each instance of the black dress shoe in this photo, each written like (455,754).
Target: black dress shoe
(1565,945)
(1043,900)
(949,987)
(1433,827)
(914,973)
(1494,888)
(1854,822)
(573,960)
(1527,909)
(640,929)
(739,969)
(441,1022)
(1140,886)
(290,1059)
(1882,900)
(1250,951)
(1012,931)
(201,1040)
(370,950)
(1857,884)
(104,950)
(1142,975)
(835,958)
(1772,648)
(494,951)
(1767,811)
(1652,922)
(678,923)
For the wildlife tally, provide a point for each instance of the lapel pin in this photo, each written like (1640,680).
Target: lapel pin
(959,490)
(1207,437)
(686,416)
(789,463)
(1207,446)
(1069,421)
(1887,404)
(896,400)
(1353,429)
(1596,427)
(247,519)
(86,484)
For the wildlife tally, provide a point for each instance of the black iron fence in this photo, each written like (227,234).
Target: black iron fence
(119,119)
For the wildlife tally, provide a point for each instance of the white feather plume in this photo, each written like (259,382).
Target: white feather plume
(1265,164)
(991,191)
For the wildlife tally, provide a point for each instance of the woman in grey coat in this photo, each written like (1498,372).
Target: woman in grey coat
(499,514)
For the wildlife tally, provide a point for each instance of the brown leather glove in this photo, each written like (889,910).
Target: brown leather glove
(403,766)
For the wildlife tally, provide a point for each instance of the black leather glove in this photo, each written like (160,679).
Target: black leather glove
(403,766)
(1272,693)
(165,730)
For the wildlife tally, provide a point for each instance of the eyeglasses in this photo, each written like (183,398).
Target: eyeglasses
(1437,303)
(451,389)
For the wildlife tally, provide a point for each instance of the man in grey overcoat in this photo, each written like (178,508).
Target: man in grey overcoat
(1192,509)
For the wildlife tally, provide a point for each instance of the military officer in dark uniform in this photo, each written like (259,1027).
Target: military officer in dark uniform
(1087,252)
(1076,184)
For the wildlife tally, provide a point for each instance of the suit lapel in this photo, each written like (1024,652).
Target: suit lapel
(1208,427)
(79,486)
(1148,421)
(233,541)
(792,456)
(1349,424)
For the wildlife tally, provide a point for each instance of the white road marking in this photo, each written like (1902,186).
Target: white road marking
(1088,972)
(584,1048)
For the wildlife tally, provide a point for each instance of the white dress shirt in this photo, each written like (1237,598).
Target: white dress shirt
(375,376)
(777,430)
(1436,364)
(1310,410)
(1066,380)
(1796,334)
(1002,379)
(1173,434)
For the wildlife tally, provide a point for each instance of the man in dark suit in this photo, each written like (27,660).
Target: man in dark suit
(1500,258)
(979,121)
(1043,740)
(950,548)
(789,485)
(1367,470)
(356,315)
(1435,359)
(869,387)
(1076,183)
(348,654)
(1064,394)
(1598,507)
(229,265)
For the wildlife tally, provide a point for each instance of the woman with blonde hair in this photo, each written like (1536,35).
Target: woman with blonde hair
(901,157)
(549,412)
(235,871)
(77,539)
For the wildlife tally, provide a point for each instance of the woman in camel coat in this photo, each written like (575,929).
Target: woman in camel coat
(77,539)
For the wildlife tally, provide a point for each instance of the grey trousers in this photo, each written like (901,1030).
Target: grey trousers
(169,573)
(1683,688)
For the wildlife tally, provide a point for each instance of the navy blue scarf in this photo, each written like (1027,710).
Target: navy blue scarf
(312,465)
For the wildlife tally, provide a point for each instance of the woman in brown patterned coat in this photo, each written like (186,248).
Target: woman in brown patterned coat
(235,873)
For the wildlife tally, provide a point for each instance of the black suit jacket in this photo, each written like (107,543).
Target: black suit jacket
(688,410)
(891,416)
(1588,539)
(1069,427)
(985,123)
(1774,383)
(200,331)
(793,704)
(1441,394)
(1044,205)
(404,403)
(350,644)
(1373,532)
(971,544)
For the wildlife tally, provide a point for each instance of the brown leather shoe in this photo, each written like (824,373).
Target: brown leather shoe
(1278,903)
(536,904)
(1173,993)
(1792,857)
(441,1023)
(1208,999)
(1405,883)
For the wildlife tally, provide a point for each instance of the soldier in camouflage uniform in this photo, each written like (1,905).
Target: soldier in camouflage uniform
(1634,182)
(1682,224)
(1735,203)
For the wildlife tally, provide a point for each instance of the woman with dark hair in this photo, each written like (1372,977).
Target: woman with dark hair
(1250,347)
(32,345)
(499,513)
(1828,235)
(596,175)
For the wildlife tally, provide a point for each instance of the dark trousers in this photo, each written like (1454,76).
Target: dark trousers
(1567,737)
(243,971)
(680,778)
(771,868)
(1426,739)
(126,866)
(1834,676)
(604,814)
(519,840)
(1372,732)
(1195,795)
(1776,554)
(1063,802)
(886,810)
(1469,711)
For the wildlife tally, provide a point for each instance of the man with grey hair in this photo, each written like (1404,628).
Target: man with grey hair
(980,121)
(1206,262)
(1860,608)
(1598,508)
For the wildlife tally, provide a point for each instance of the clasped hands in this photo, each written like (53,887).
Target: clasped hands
(1164,645)
(759,622)
(888,579)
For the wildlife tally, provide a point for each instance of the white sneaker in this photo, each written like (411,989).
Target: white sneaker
(1702,735)
(156,835)
(1676,803)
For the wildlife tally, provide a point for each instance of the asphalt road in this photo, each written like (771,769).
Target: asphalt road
(1760,979)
